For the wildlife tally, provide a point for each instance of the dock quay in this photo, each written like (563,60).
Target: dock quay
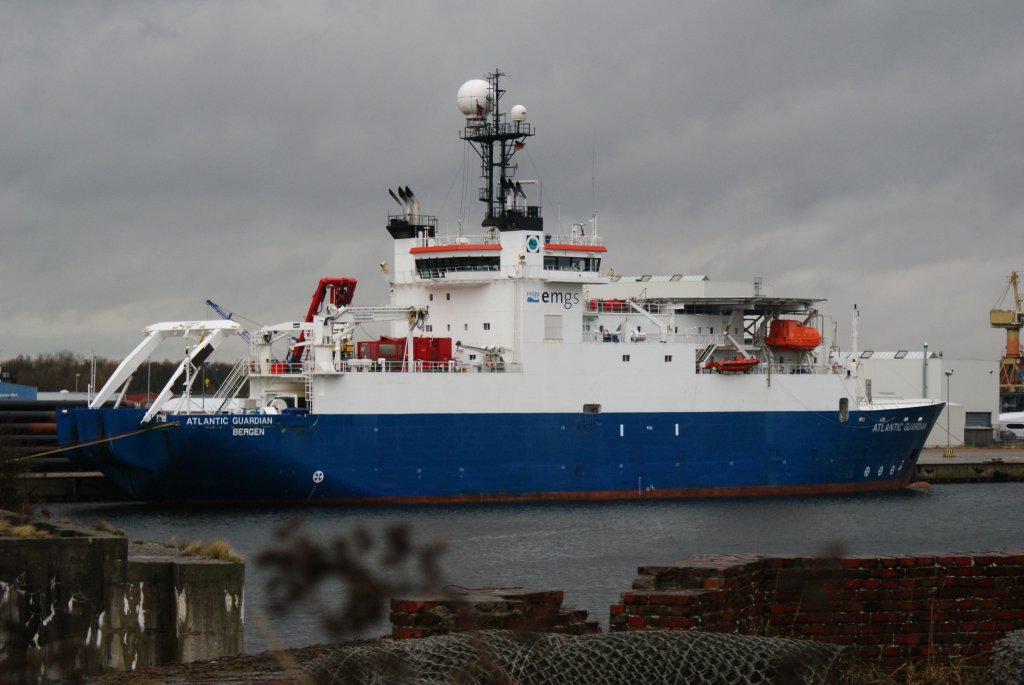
(29,427)
(972,465)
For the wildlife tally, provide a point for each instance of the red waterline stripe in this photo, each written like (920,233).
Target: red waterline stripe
(590,496)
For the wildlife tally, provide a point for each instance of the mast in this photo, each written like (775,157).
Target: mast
(496,137)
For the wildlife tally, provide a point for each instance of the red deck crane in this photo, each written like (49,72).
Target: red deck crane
(335,291)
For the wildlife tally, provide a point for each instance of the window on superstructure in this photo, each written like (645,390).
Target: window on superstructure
(552,326)
(487,326)
(625,357)
(668,357)
(438,267)
(561,263)
(844,409)
(431,297)
(429,328)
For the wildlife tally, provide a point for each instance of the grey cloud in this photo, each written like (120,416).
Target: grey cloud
(154,154)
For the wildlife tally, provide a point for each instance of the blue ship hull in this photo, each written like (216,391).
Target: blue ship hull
(391,458)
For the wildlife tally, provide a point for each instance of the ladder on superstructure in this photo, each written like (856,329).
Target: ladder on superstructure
(706,353)
(307,379)
(234,382)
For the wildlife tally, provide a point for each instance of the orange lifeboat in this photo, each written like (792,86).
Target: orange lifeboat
(737,365)
(792,336)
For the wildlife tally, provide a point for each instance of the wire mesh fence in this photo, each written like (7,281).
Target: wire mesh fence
(513,658)
(1008,660)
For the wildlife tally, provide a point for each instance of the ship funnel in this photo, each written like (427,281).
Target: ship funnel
(414,206)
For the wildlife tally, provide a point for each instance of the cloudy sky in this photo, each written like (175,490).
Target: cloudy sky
(156,154)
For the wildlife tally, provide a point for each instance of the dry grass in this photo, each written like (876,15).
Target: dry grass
(917,674)
(217,549)
(191,549)
(26,530)
(104,527)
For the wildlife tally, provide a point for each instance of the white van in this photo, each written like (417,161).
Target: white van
(1011,425)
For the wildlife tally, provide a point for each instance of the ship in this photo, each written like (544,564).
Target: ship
(516,367)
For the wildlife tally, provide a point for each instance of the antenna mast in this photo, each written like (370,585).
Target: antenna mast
(496,141)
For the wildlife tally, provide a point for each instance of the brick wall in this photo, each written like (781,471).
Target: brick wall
(509,609)
(890,609)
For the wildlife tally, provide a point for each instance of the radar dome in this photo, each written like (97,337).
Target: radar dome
(473,98)
(518,113)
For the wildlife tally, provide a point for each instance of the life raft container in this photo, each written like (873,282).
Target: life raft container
(737,365)
(792,336)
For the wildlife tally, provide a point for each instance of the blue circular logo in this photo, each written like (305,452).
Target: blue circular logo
(533,244)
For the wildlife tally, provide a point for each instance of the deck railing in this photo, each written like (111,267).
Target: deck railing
(300,370)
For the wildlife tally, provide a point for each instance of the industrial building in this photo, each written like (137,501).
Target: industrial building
(970,387)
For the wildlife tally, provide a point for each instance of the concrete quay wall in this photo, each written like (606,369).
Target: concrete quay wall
(73,602)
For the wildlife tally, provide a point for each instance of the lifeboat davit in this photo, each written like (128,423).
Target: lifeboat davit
(792,336)
(737,365)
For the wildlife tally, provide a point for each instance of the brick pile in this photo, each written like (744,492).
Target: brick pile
(888,609)
(459,610)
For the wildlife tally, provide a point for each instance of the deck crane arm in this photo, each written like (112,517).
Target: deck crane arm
(226,315)
(336,292)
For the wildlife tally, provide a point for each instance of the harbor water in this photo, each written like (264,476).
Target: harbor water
(590,551)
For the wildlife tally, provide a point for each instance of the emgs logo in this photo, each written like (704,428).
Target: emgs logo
(567,300)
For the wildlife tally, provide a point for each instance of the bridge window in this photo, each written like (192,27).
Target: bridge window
(560,263)
(437,267)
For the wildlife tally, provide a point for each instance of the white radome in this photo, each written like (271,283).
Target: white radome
(518,113)
(472,98)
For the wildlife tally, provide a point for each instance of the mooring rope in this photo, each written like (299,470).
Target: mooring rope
(89,443)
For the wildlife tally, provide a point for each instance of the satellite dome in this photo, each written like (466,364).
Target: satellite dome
(518,113)
(472,98)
